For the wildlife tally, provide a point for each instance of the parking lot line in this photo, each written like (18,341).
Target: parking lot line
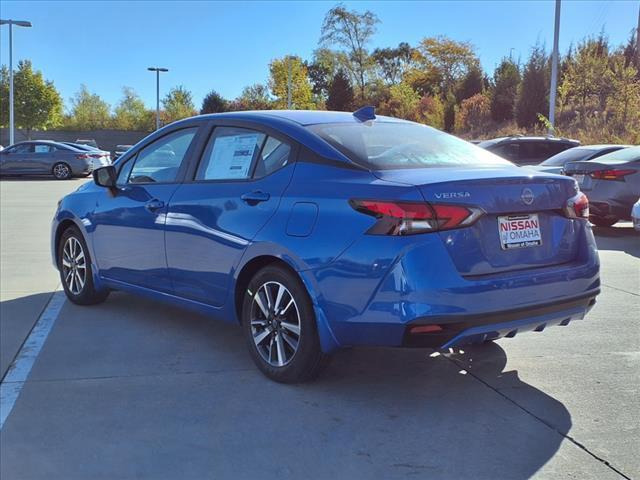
(19,371)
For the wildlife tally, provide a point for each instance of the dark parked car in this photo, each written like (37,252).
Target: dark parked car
(527,150)
(583,153)
(612,183)
(44,157)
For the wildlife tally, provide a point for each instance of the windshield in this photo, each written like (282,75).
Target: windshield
(571,155)
(388,146)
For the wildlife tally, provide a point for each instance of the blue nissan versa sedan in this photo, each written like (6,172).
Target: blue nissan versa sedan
(318,230)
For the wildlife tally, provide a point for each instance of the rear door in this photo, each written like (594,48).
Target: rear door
(235,190)
(128,223)
(43,158)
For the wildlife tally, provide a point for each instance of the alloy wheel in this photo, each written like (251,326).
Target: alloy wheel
(74,265)
(275,323)
(61,171)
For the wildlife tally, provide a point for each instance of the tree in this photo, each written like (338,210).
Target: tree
(506,79)
(321,71)
(178,104)
(254,97)
(474,114)
(131,114)
(340,93)
(393,63)
(446,59)
(534,89)
(403,102)
(301,95)
(37,103)
(352,31)
(471,84)
(89,111)
(432,111)
(214,103)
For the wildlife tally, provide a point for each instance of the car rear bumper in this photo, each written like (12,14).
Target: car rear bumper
(478,329)
(372,301)
(610,209)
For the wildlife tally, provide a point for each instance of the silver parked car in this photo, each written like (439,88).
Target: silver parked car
(583,153)
(44,157)
(612,183)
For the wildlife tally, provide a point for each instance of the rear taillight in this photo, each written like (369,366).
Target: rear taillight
(96,155)
(577,206)
(613,174)
(407,218)
(82,156)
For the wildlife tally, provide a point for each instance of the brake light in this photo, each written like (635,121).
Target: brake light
(613,174)
(577,206)
(407,218)
(82,156)
(96,155)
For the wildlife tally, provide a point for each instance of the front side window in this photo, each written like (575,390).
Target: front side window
(160,161)
(392,145)
(230,154)
(24,148)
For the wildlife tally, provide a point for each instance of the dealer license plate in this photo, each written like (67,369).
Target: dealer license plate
(518,231)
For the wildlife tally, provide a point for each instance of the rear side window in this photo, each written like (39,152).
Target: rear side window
(161,160)
(392,145)
(510,151)
(274,155)
(230,154)
(42,148)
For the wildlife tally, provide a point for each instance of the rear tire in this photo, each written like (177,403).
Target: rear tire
(74,264)
(603,221)
(61,171)
(280,327)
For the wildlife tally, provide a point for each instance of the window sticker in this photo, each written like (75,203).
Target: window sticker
(231,156)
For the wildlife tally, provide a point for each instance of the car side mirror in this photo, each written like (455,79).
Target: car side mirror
(105,176)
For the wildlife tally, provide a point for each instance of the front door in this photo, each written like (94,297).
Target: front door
(212,219)
(128,235)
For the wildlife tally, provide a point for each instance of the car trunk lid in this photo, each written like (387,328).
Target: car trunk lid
(506,194)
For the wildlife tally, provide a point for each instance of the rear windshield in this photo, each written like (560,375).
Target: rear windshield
(571,155)
(388,146)
(631,154)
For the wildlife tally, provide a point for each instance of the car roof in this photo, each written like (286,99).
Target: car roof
(520,138)
(301,117)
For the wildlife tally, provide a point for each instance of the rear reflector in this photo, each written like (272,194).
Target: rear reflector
(577,206)
(406,218)
(425,329)
(611,174)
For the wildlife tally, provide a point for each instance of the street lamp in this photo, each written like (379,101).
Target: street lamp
(11,23)
(157,70)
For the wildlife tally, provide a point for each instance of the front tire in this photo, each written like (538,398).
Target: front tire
(603,221)
(61,171)
(74,264)
(280,327)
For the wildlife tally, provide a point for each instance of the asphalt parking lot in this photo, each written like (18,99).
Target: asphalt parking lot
(136,389)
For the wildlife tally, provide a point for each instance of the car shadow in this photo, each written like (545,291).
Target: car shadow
(373,413)
(622,238)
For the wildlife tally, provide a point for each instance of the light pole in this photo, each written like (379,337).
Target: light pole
(554,71)
(157,70)
(11,23)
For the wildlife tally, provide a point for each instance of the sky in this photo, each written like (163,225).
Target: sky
(228,45)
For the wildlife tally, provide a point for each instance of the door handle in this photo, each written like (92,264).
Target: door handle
(153,205)
(253,198)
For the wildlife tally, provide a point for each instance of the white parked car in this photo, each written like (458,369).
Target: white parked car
(635,215)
